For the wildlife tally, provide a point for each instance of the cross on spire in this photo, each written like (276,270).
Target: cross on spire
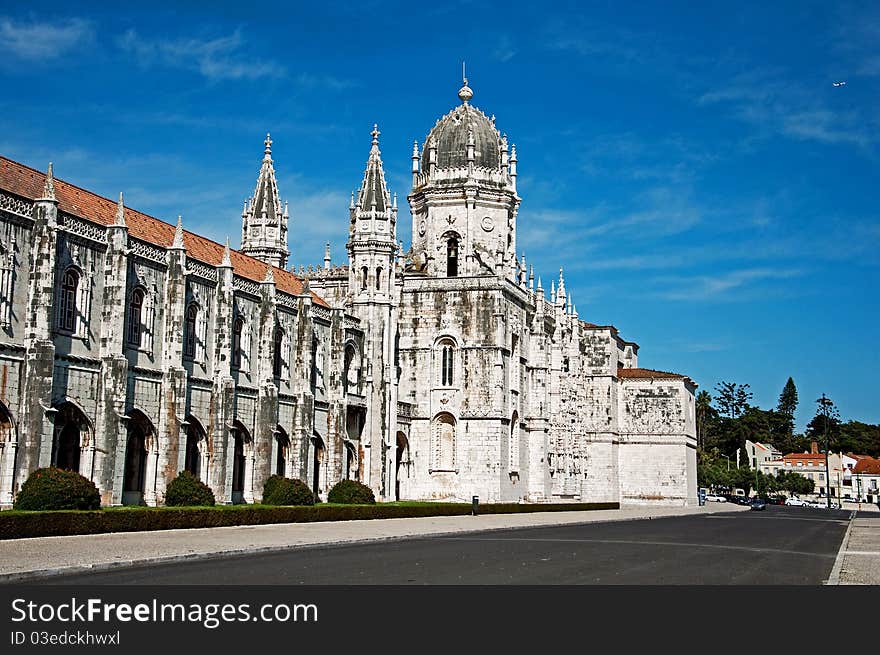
(375,134)
(268,144)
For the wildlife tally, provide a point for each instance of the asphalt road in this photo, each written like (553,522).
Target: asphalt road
(779,546)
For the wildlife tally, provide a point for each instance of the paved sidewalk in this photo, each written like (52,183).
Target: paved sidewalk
(859,561)
(22,559)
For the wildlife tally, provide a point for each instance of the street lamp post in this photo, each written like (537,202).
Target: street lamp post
(825,402)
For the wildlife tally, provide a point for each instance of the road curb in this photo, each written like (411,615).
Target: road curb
(834,578)
(42,574)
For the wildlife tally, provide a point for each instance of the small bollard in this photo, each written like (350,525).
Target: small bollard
(475,505)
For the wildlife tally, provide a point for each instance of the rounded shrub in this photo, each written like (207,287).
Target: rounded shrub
(54,488)
(351,492)
(279,490)
(186,490)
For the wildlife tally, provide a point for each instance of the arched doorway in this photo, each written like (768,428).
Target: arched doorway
(401,460)
(241,440)
(318,451)
(8,445)
(282,447)
(351,461)
(195,445)
(71,434)
(140,435)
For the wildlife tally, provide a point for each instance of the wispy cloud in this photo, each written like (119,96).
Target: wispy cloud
(765,99)
(222,58)
(722,287)
(43,41)
(504,49)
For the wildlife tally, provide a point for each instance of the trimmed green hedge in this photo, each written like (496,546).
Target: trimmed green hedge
(186,490)
(351,492)
(279,490)
(56,489)
(18,525)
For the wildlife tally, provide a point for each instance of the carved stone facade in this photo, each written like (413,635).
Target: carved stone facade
(131,349)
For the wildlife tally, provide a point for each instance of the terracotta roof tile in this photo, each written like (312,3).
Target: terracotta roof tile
(27,182)
(646,374)
(869,465)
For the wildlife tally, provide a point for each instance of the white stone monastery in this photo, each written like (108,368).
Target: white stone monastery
(131,349)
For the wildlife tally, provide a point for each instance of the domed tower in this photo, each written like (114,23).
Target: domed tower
(464,199)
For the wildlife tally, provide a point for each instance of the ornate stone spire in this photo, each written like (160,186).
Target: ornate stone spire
(560,294)
(226,262)
(373,194)
(270,275)
(327,257)
(177,244)
(49,186)
(120,212)
(265,219)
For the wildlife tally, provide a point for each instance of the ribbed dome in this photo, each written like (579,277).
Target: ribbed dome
(450,136)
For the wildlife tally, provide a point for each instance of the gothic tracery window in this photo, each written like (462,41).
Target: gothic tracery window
(7,275)
(68,305)
(237,328)
(279,359)
(190,331)
(135,317)
(447,363)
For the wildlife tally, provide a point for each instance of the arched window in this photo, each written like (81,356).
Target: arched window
(447,363)
(365,272)
(452,257)
(279,360)
(194,439)
(71,432)
(444,442)
(67,308)
(349,372)
(283,450)
(379,278)
(135,317)
(237,328)
(189,331)
(513,446)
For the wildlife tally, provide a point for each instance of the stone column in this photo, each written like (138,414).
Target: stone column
(110,432)
(35,432)
(172,412)
(223,392)
(267,398)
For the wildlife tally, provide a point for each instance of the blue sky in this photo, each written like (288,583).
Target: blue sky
(706,187)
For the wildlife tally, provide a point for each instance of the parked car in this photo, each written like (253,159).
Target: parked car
(758,504)
(816,504)
(776,500)
(796,502)
(716,499)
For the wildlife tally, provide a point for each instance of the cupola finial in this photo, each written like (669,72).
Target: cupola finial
(465,93)
(268,144)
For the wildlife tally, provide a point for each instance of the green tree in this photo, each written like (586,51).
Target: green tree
(860,438)
(788,401)
(707,416)
(732,398)
(825,425)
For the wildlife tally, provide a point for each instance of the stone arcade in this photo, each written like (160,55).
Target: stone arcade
(131,349)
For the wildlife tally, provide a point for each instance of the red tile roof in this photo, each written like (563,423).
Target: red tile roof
(869,465)
(27,182)
(805,456)
(647,374)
